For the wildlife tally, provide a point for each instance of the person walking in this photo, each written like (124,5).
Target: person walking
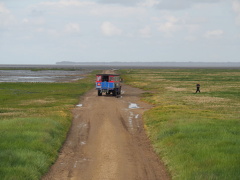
(198,88)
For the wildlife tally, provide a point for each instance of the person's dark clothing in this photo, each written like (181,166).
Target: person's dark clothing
(198,88)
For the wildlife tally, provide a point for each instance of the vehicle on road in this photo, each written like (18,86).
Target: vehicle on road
(109,84)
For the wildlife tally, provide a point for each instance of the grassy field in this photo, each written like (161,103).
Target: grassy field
(197,135)
(34,120)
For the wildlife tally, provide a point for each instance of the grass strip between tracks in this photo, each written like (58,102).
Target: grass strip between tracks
(197,135)
(34,121)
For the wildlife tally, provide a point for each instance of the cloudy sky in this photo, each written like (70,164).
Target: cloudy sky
(49,31)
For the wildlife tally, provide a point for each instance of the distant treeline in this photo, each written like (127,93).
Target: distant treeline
(155,64)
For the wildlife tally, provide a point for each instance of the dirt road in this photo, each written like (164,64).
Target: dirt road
(107,141)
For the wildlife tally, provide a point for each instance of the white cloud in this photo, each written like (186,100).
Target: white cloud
(3,9)
(170,26)
(122,2)
(40,30)
(65,3)
(90,8)
(34,21)
(190,38)
(53,32)
(109,29)
(162,4)
(116,11)
(6,18)
(149,3)
(236,8)
(182,4)
(192,28)
(49,32)
(214,34)
(72,28)
(145,32)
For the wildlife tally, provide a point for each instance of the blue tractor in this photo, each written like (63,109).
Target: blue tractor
(109,84)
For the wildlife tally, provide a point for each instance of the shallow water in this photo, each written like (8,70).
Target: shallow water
(40,76)
(133,106)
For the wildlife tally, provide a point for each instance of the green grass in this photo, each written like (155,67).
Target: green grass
(197,135)
(34,121)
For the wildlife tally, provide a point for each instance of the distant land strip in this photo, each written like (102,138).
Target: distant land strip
(154,64)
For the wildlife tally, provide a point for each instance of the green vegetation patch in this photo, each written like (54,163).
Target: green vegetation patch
(196,135)
(34,121)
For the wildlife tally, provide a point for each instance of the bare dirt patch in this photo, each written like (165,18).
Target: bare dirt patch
(107,141)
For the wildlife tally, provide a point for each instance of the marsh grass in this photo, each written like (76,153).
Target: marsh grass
(197,135)
(34,121)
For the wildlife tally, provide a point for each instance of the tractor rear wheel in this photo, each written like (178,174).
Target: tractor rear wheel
(99,93)
(119,91)
(114,92)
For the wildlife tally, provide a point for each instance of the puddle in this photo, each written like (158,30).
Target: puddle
(133,106)
(83,143)
(133,119)
(83,160)
(75,164)
(130,119)
(82,125)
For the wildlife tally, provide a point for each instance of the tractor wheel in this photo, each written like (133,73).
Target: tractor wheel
(119,91)
(99,93)
(114,92)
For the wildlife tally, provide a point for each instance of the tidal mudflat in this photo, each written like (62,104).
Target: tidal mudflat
(41,75)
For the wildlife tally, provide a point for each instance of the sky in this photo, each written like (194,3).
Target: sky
(50,31)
